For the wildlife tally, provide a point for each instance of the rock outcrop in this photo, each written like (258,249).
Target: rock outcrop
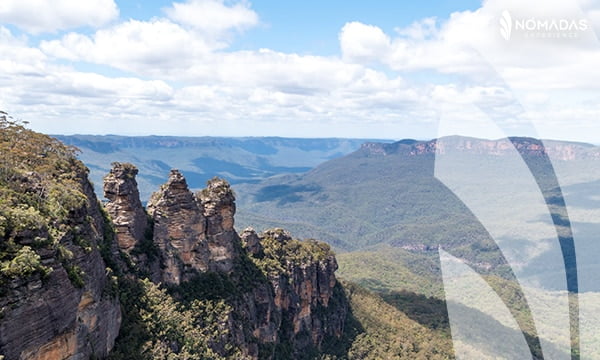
(218,202)
(179,230)
(71,313)
(124,205)
(194,233)
(304,289)
(188,284)
(284,286)
(251,241)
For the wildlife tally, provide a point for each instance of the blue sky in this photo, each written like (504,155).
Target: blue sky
(312,26)
(386,69)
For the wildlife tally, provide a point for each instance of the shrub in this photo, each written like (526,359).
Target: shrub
(25,263)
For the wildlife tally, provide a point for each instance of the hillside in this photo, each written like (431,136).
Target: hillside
(376,195)
(387,213)
(235,159)
(387,194)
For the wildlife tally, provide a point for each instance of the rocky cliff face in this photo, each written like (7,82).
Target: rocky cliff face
(194,233)
(124,206)
(304,288)
(274,296)
(179,230)
(218,203)
(71,312)
(282,288)
(530,147)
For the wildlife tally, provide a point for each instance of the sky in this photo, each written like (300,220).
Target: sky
(362,69)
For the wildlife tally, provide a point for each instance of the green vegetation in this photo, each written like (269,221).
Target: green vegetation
(75,275)
(280,251)
(25,263)
(388,269)
(157,326)
(412,284)
(40,190)
(361,201)
(390,208)
(384,332)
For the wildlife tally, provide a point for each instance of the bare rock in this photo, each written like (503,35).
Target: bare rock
(218,202)
(55,317)
(305,292)
(251,241)
(124,205)
(179,230)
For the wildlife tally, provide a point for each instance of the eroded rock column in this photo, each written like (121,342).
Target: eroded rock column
(124,205)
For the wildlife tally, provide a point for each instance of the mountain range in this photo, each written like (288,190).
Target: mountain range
(239,160)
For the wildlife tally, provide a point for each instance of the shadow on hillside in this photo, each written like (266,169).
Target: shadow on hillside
(339,347)
(485,334)
(433,314)
(427,311)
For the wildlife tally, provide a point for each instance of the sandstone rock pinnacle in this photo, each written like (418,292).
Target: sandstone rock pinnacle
(124,205)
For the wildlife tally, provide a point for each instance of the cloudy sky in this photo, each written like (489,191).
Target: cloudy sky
(381,69)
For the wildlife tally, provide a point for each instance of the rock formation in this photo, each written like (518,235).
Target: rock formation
(251,241)
(195,235)
(189,286)
(283,291)
(304,289)
(71,313)
(179,230)
(124,205)
(218,202)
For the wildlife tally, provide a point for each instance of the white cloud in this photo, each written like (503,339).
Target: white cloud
(363,43)
(17,58)
(420,30)
(235,93)
(182,78)
(213,16)
(469,42)
(541,76)
(139,46)
(38,16)
(291,73)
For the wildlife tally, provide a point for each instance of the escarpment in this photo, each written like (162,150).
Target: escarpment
(528,147)
(57,298)
(302,276)
(281,292)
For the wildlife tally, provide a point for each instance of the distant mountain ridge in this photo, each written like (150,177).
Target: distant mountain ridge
(562,150)
(239,160)
(386,193)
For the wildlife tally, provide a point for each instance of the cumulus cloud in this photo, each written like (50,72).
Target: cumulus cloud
(363,43)
(530,73)
(181,72)
(38,16)
(137,46)
(213,16)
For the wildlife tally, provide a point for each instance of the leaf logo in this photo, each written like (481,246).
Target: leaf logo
(479,318)
(506,25)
